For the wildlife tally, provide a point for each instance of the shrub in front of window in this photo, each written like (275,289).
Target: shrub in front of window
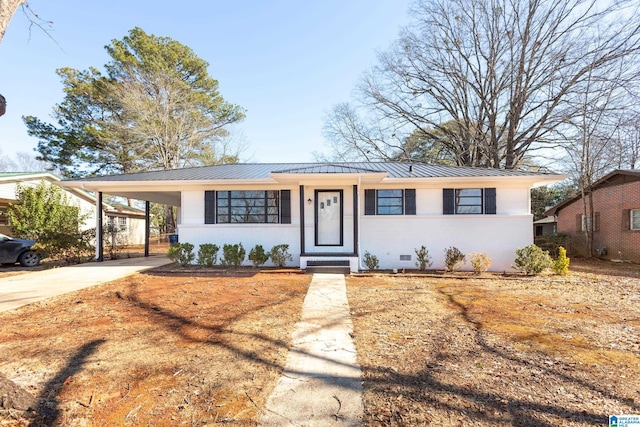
(371,261)
(279,255)
(182,253)
(233,255)
(561,264)
(453,258)
(258,256)
(423,259)
(480,262)
(208,254)
(532,260)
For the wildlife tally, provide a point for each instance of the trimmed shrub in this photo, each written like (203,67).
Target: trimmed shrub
(371,261)
(279,255)
(480,262)
(258,256)
(233,255)
(423,259)
(208,254)
(453,258)
(182,253)
(561,264)
(532,260)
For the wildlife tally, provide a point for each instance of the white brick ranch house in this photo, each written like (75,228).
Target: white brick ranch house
(339,211)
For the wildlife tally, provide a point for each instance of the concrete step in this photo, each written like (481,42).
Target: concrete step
(328,269)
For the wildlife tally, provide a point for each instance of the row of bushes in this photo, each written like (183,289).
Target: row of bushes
(530,260)
(232,255)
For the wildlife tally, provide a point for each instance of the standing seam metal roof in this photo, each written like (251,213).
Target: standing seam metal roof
(257,171)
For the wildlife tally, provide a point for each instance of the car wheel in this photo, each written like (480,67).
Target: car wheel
(29,259)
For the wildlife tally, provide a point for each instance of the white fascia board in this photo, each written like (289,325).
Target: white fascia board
(324,178)
(30,177)
(173,185)
(506,181)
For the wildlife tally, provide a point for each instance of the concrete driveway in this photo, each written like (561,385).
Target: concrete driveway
(27,288)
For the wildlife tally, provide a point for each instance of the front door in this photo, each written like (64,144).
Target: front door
(328,217)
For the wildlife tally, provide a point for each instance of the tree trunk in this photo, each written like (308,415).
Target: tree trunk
(7,9)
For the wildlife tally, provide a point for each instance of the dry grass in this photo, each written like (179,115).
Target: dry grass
(163,349)
(542,351)
(152,349)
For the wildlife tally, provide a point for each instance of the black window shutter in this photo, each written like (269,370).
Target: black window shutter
(579,222)
(209,207)
(596,221)
(285,206)
(448,201)
(369,202)
(410,201)
(490,201)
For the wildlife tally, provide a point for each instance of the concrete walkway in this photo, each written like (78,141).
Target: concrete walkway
(321,384)
(27,288)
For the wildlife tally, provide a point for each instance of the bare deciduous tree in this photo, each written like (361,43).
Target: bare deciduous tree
(7,10)
(503,70)
(595,148)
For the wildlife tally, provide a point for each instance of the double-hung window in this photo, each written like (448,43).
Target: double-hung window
(635,219)
(390,202)
(469,201)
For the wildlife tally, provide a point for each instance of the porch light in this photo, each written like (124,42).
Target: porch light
(309,201)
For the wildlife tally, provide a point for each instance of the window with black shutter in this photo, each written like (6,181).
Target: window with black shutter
(390,202)
(468,201)
(247,207)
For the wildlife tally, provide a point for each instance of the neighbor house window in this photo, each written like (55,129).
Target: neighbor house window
(117,223)
(469,201)
(635,219)
(247,207)
(583,222)
(390,202)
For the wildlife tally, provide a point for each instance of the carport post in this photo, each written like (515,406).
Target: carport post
(99,248)
(147,210)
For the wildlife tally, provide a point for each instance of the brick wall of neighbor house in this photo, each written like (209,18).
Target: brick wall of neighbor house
(613,204)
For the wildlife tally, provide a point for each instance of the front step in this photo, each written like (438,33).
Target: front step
(328,270)
(328,267)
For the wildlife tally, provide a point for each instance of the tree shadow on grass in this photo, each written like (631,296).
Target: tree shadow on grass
(48,411)
(429,387)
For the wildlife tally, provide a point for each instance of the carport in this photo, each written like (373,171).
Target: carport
(129,187)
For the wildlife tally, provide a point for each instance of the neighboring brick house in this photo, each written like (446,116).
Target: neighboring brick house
(616,217)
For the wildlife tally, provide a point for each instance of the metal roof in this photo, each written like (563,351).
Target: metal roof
(259,171)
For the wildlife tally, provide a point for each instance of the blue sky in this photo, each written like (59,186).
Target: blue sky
(286,62)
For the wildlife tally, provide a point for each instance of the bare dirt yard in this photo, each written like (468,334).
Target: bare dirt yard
(168,349)
(156,348)
(500,351)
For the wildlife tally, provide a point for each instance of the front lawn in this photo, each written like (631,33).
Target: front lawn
(541,351)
